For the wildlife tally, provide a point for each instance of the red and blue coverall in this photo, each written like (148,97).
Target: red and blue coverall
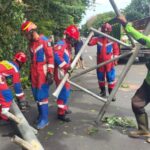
(62,58)
(42,62)
(11,70)
(106,50)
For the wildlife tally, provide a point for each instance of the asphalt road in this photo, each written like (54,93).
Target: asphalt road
(82,133)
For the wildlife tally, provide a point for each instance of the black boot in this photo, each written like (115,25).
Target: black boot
(103,91)
(63,118)
(68,112)
(142,121)
(114,98)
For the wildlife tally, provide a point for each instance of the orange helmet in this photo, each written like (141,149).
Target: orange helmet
(106,27)
(21,57)
(27,26)
(72,31)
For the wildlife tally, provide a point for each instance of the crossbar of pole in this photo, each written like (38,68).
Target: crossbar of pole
(73,64)
(111,38)
(118,13)
(121,78)
(25,129)
(87,91)
(101,64)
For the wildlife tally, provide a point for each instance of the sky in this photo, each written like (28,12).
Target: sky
(102,6)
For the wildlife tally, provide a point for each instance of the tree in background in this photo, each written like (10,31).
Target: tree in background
(51,16)
(12,15)
(138,9)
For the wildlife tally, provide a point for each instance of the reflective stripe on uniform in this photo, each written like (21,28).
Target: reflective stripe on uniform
(20,94)
(62,64)
(42,103)
(50,66)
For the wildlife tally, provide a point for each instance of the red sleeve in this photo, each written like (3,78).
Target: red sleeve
(93,41)
(16,77)
(49,56)
(116,49)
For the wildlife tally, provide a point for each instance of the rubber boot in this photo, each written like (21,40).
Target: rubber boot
(62,115)
(110,90)
(63,118)
(39,115)
(142,121)
(43,119)
(68,111)
(103,91)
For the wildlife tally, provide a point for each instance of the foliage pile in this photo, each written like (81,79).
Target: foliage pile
(116,121)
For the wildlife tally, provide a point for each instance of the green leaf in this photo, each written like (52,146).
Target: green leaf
(50,133)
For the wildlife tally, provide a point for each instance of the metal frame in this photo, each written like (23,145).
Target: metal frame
(121,78)
(111,38)
(134,53)
(88,92)
(101,64)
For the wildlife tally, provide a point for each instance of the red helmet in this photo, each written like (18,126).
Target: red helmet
(72,31)
(106,27)
(27,26)
(21,57)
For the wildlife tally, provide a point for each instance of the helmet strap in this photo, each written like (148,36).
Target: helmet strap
(18,63)
(71,40)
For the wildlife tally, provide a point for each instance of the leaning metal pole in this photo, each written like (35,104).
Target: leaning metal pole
(87,91)
(111,38)
(106,62)
(101,64)
(121,78)
(25,129)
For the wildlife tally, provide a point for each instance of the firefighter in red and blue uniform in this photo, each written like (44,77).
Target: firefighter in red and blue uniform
(10,69)
(41,71)
(106,50)
(62,56)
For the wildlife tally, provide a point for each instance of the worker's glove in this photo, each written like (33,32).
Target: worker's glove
(22,103)
(69,70)
(122,20)
(49,78)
